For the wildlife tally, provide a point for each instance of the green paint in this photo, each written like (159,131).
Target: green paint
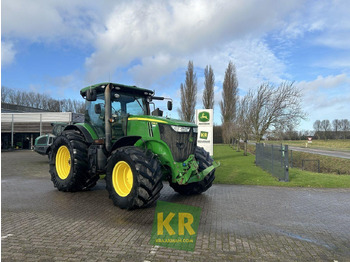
(175,226)
(89,129)
(147,127)
(162,120)
(204,135)
(204,116)
(204,173)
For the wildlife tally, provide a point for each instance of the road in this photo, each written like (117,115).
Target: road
(240,223)
(340,154)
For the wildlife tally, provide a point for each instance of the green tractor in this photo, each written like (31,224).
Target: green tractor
(134,148)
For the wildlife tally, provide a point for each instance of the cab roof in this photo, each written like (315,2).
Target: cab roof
(123,88)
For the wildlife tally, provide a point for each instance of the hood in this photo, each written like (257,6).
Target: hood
(162,120)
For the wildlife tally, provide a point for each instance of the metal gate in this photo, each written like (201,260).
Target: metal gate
(273,159)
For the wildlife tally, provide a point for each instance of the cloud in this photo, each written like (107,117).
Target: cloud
(254,60)
(137,29)
(7,53)
(54,23)
(321,82)
(326,23)
(162,35)
(153,68)
(326,97)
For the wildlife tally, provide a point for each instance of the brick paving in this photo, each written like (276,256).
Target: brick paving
(245,223)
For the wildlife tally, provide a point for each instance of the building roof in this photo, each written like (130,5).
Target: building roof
(10,108)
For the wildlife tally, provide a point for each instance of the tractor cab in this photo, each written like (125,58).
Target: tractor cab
(116,103)
(121,107)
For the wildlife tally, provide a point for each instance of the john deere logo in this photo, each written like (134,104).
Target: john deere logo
(204,135)
(175,226)
(204,117)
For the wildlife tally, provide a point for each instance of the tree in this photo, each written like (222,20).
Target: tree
(326,126)
(336,126)
(189,95)
(243,119)
(274,107)
(79,106)
(4,94)
(40,101)
(317,128)
(208,94)
(345,126)
(229,99)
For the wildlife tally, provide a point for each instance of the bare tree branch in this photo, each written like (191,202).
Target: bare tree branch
(326,126)
(275,107)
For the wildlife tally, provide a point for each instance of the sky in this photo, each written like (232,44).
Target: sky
(59,47)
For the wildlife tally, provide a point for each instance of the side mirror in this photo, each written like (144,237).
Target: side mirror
(91,95)
(98,109)
(170,105)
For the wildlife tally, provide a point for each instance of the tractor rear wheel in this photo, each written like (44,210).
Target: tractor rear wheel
(133,178)
(205,161)
(69,166)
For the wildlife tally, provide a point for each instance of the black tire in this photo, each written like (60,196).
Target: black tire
(49,153)
(146,177)
(205,161)
(78,177)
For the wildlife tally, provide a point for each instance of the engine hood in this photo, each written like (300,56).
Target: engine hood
(162,120)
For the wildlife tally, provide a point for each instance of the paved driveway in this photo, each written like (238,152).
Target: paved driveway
(243,223)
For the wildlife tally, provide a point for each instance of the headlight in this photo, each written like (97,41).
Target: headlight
(181,129)
(195,130)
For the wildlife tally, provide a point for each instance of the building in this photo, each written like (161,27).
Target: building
(20,125)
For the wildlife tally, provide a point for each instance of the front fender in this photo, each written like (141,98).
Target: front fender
(180,171)
(159,148)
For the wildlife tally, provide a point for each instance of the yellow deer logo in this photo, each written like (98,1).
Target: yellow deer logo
(204,117)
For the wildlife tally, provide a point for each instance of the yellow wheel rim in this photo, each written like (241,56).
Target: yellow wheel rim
(63,162)
(122,178)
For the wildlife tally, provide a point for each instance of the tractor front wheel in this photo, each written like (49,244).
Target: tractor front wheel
(205,161)
(133,178)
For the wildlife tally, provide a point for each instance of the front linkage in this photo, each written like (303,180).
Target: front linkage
(189,172)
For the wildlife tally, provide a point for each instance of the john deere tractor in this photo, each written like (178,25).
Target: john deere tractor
(134,148)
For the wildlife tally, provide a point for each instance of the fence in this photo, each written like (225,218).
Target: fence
(317,161)
(273,159)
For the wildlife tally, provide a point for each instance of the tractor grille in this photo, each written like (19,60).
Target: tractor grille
(42,140)
(181,144)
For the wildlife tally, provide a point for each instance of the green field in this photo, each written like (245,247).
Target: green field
(240,170)
(332,144)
